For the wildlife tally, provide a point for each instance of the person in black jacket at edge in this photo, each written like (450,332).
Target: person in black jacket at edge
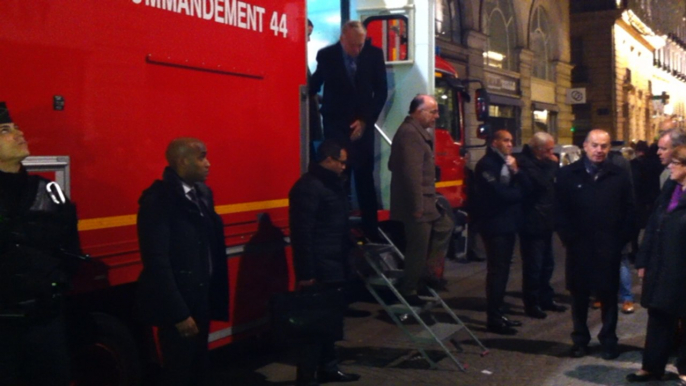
(320,237)
(661,262)
(540,164)
(595,221)
(184,282)
(500,189)
(39,251)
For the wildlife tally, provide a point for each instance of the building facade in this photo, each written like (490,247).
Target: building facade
(520,50)
(630,61)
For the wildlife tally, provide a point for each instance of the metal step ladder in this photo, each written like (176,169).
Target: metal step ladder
(432,332)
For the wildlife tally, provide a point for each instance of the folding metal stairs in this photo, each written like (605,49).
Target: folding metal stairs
(432,332)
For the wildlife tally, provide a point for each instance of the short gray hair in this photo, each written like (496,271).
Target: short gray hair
(539,139)
(353,25)
(677,136)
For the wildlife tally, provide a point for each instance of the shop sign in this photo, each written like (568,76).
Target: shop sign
(501,83)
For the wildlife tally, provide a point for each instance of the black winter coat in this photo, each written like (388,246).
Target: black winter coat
(39,246)
(594,220)
(176,243)
(497,205)
(345,99)
(318,218)
(538,207)
(663,255)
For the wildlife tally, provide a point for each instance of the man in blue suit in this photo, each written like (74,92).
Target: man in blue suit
(353,74)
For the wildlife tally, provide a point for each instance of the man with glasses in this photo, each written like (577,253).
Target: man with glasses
(428,228)
(320,237)
(669,139)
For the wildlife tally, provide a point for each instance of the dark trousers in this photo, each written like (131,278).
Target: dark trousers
(537,269)
(360,165)
(660,337)
(499,250)
(34,353)
(425,250)
(316,355)
(185,361)
(608,313)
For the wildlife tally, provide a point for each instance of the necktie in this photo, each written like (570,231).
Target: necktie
(194,198)
(352,68)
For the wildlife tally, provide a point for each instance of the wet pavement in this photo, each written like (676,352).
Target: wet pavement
(378,350)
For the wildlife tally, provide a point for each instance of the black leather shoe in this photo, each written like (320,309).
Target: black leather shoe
(578,351)
(471,256)
(438,284)
(635,377)
(501,329)
(609,353)
(554,307)
(535,312)
(509,322)
(305,378)
(337,376)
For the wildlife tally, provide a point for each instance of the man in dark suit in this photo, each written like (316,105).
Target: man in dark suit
(500,188)
(595,220)
(184,282)
(353,73)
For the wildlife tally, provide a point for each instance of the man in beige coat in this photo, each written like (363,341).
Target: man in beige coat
(413,197)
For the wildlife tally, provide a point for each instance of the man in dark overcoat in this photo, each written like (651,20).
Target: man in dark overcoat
(353,74)
(540,164)
(320,237)
(39,246)
(595,220)
(413,197)
(184,282)
(500,189)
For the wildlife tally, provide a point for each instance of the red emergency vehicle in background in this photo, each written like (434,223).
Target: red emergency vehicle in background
(100,88)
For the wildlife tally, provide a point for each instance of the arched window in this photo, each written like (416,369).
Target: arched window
(443,29)
(456,13)
(499,25)
(541,45)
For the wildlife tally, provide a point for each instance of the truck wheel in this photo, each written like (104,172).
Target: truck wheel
(105,354)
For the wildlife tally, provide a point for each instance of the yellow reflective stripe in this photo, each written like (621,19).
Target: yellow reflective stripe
(447,184)
(120,221)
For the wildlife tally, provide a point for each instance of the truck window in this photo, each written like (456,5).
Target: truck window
(389,32)
(448,109)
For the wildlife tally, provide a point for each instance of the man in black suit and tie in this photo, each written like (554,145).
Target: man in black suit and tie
(353,73)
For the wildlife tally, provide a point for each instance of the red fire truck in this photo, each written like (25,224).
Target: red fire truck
(100,88)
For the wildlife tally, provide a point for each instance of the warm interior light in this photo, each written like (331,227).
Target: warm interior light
(497,56)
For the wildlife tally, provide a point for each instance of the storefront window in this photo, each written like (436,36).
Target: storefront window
(541,46)
(499,26)
(545,120)
(505,117)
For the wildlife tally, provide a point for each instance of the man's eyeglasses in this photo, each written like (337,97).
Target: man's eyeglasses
(677,162)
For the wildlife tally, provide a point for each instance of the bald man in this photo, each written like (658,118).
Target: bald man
(595,220)
(184,280)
